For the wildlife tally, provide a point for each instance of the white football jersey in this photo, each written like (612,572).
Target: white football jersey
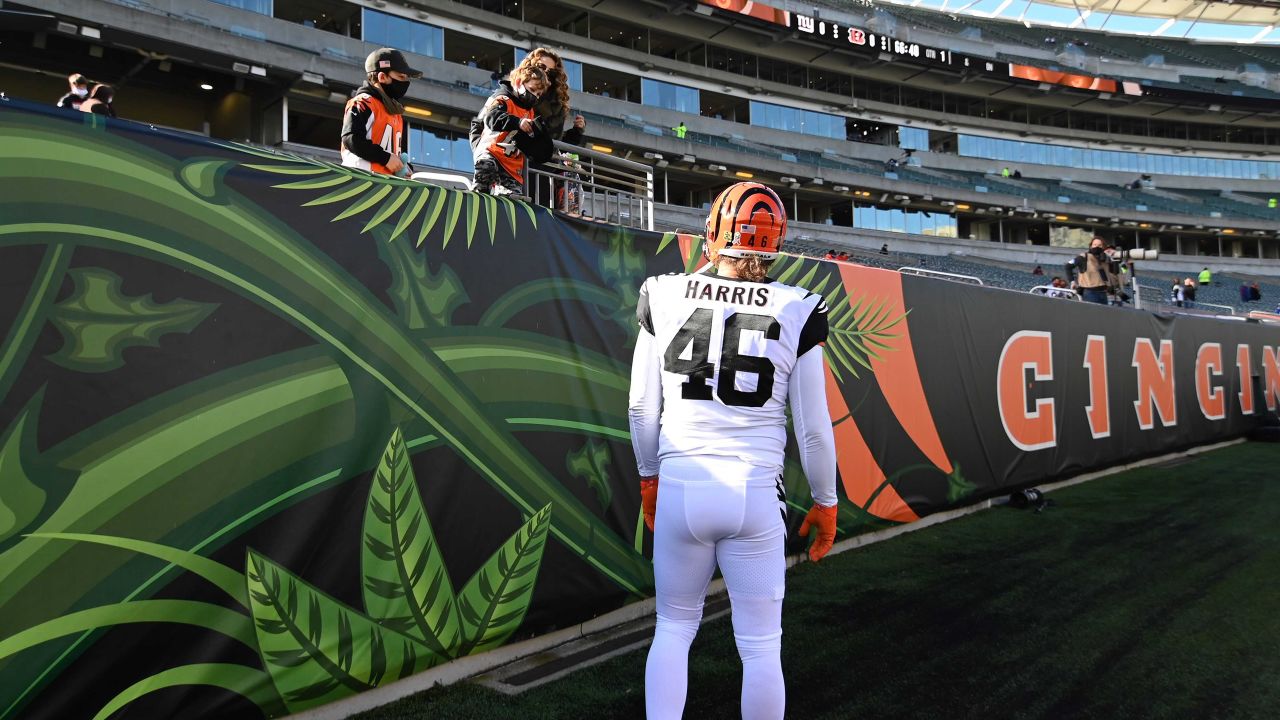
(727,348)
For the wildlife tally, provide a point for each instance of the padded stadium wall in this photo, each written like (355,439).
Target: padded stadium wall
(277,432)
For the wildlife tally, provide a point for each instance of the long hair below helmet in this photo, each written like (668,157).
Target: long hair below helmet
(747,219)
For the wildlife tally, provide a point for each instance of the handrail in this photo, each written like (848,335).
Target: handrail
(1195,304)
(595,185)
(1229,310)
(955,277)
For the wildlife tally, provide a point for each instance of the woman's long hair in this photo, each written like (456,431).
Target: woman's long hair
(559,81)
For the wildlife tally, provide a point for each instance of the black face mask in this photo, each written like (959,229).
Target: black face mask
(396,89)
(1095,251)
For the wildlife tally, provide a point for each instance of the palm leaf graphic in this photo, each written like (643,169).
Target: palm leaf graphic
(383,196)
(493,602)
(316,649)
(858,330)
(406,584)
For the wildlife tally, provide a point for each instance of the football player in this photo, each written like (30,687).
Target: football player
(718,360)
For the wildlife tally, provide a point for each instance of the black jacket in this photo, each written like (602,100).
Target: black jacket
(496,117)
(552,117)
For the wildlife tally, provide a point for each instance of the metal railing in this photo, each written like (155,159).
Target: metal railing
(954,277)
(594,185)
(1195,305)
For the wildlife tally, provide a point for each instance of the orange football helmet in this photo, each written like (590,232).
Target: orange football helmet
(747,219)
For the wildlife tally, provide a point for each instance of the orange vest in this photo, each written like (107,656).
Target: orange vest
(500,145)
(384,130)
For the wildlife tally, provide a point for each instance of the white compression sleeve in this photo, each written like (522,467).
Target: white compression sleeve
(807,395)
(644,409)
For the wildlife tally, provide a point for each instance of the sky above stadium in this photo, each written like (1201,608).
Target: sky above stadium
(1258,25)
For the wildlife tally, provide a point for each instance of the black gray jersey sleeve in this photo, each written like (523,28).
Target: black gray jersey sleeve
(644,315)
(814,331)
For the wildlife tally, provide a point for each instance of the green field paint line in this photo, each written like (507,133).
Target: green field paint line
(186,612)
(31,316)
(249,683)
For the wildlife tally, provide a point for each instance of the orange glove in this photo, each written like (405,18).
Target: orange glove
(824,518)
(649,499)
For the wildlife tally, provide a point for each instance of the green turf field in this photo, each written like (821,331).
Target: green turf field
(1150,594)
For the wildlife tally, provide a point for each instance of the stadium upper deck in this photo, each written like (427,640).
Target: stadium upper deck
(816,117)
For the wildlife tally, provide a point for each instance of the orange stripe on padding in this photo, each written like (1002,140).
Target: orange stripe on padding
(859,471)
(898,374)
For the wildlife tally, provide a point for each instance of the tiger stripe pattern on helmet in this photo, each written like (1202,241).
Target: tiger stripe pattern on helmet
(746,219)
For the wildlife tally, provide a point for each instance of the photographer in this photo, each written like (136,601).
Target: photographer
(1094,270)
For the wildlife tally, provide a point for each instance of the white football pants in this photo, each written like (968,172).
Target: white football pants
(718,511)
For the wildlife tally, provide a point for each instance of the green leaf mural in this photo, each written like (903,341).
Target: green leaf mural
(421,202)
(188,469)
(422,298)
(623,268)
(958,488)
(247,250)
(238,679)
(318,650)
(591,463)
(493,602)
(406,585)
(857,331)
(31,316)
(20,499)
(98,322)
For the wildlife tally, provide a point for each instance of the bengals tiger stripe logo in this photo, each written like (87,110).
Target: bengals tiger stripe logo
(747,218)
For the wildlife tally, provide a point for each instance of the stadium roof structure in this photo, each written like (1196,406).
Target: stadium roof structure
(1240,21)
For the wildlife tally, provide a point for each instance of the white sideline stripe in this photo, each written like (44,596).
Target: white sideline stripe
(473,665)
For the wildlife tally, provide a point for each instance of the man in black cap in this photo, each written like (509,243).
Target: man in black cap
(373,125)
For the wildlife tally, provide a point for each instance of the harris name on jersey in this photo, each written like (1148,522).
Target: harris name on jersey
(704,288)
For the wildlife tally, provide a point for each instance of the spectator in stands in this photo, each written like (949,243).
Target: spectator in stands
(1246,293)
(373,124)
(1038,271)
(680,130)
(843,255)
(1206,277)
(1175,294)
(1017,174)
(99,101)
(1255,292)
(551,113)
(884,249)
(78,92)
(891,165)
(1057,282)
(499,161)
(1189,293)
(831,255)
(1004,171)
(1271,203)
(1092,269)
